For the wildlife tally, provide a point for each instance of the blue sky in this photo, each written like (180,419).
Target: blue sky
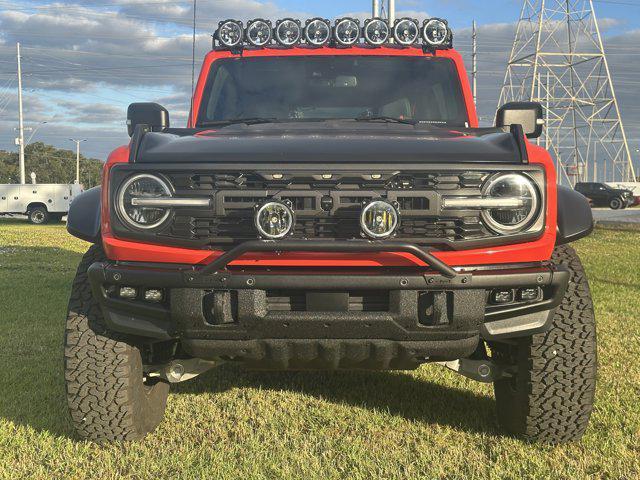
(86,60)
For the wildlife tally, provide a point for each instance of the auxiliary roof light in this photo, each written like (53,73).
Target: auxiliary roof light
(347,31)
(376,31)
(230,33)
(317,32)
(288,32)
(435,32)
(259,32)
(406,31)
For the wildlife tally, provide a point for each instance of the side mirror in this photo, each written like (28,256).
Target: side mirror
(528,114)
(152,114)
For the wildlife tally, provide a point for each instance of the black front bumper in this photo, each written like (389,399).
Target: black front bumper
(385,318)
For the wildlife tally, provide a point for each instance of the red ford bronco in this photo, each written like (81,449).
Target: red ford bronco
(332,204)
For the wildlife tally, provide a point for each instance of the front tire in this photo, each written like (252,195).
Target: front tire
(38,215)
(551,396)
(616,204)
(107,395)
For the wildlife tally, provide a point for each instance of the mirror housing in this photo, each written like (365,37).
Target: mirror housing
(151,114)
(528,114)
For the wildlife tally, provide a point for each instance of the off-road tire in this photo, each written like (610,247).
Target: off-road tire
(616,203)
(106,393)
(551,397)
(38,215)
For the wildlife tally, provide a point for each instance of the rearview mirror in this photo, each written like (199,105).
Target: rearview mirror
(528,114)
(151,114)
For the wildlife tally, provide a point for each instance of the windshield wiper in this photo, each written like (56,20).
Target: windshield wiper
(238,121)
(385,119)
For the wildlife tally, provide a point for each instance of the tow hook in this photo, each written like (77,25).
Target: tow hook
(484,371)
(179,371)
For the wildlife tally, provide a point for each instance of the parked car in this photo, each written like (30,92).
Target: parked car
(331,206)
(41,203)
(602,195)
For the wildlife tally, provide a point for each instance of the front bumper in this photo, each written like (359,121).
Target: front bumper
(327,318)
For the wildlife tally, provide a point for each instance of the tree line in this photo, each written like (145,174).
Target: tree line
(51,165)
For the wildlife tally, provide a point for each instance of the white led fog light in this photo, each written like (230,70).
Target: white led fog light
(379,219)
(347,31)
(230,33)
(435,32)
(288,32)
(274,220)
(376,32)
(406,31)
(259,32)
(317,32)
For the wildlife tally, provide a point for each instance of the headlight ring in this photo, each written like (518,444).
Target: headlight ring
(511,220)
(140,187)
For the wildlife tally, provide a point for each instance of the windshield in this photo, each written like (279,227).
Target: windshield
(423,89)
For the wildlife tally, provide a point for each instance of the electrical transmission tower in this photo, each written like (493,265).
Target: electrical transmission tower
(558,60)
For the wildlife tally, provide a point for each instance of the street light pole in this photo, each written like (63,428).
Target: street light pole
(20,118)
(77,142)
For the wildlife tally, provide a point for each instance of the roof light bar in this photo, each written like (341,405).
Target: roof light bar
(434,33)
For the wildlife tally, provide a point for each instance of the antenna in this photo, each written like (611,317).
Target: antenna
(474,61)
(193,55)
(558,52)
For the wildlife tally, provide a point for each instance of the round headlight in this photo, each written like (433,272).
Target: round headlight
(288,32)
(259,33)
(131,198)
(347,31)
(507,220)
(317,32)
(379,219)
(230,33)
(406,31)
(376,32)
(274,220)
(435,32)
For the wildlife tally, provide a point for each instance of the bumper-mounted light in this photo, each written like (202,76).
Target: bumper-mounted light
(379,219)
(274,220)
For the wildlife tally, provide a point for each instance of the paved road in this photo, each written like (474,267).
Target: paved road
(630,215)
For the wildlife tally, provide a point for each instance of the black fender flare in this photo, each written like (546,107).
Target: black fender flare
(83,220)
(575,219)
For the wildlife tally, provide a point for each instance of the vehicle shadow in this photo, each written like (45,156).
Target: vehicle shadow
(398,393)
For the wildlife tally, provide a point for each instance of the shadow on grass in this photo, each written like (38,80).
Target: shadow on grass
(397,393)
(33,383)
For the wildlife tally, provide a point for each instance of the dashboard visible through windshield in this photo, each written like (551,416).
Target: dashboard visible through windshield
(308,88)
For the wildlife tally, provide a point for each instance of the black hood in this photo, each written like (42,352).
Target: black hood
(331,142)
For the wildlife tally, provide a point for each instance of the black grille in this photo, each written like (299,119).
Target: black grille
(327,208)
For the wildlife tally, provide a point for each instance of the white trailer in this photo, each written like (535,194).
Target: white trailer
(40,202)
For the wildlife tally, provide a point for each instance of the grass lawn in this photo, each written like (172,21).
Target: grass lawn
(235,424)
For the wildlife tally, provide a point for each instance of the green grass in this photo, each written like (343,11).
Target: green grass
(235,424)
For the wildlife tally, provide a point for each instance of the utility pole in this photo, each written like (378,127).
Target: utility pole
(77,142)
(474,68)
(20,139)
(376,8)
(392,12)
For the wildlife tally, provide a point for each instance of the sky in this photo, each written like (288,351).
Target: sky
(84,62)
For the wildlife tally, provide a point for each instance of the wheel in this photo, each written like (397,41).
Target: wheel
(108,396)
(616,203)
(38,215)
(551,396)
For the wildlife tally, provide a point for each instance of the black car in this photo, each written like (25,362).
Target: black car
(602,195)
